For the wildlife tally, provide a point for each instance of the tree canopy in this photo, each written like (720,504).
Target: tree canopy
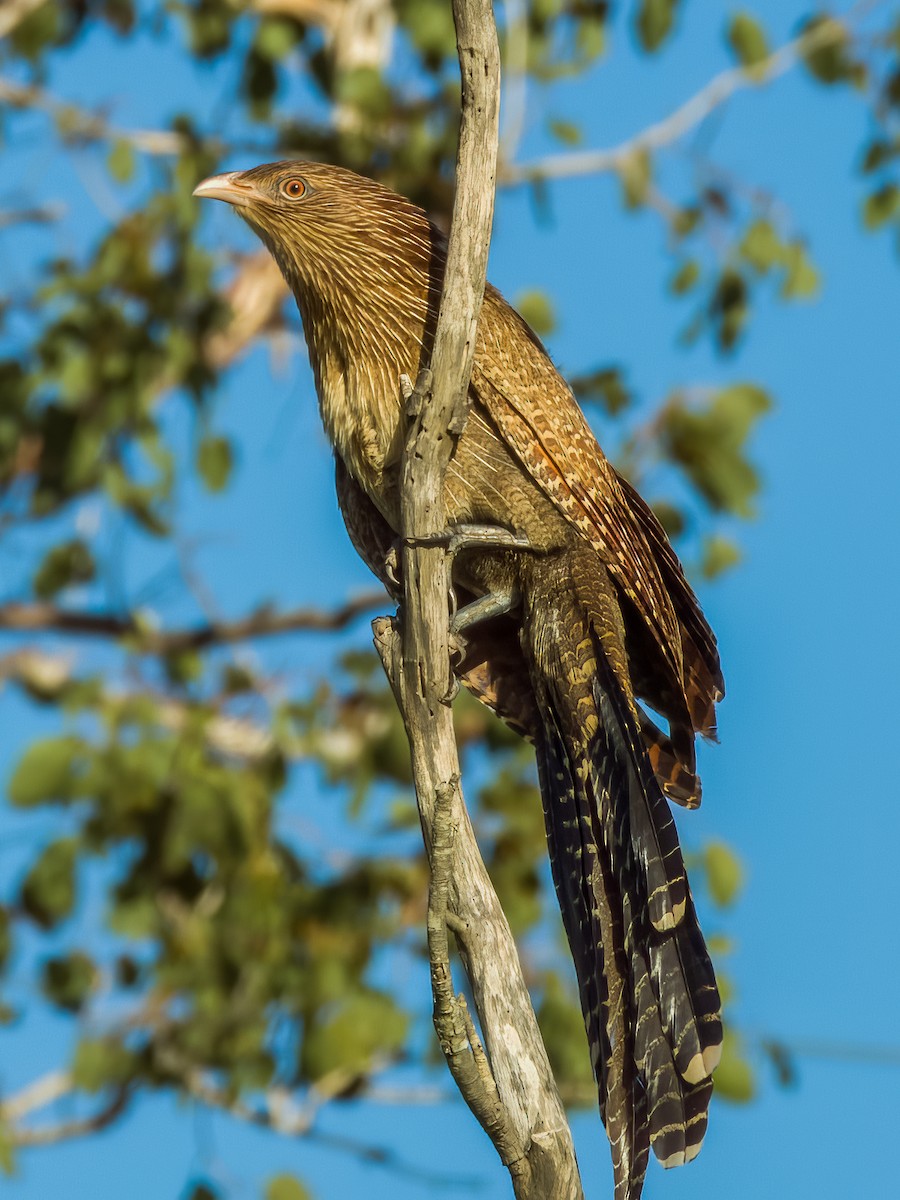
(213,881)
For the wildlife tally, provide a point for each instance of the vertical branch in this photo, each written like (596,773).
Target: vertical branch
(511,1090)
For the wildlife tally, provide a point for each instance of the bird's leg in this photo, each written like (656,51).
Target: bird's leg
(454,540)
(493,604)
(473,537)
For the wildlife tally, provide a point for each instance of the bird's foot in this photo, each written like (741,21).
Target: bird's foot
(473,537)
(392,563)
(493,604)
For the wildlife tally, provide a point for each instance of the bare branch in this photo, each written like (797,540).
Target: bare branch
(47,1090)
(689,115)
(42,214)
(33,617)
(75,124)
(47,675)
(528,1127)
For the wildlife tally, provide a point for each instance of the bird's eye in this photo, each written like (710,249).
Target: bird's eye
(294,188)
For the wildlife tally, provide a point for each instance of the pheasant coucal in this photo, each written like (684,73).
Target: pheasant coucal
(599,616)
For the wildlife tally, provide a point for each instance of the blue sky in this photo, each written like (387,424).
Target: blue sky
(803,783)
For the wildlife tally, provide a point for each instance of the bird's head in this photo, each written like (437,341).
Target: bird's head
(340,240)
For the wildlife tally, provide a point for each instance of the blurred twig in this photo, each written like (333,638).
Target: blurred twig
(31,617)
(689,115)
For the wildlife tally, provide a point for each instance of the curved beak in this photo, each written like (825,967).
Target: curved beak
(231,188)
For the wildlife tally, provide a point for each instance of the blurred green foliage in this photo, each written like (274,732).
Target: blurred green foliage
(235,956)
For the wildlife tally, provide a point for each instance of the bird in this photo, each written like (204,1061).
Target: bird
(591,642)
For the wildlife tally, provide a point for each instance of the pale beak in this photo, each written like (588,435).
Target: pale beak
(231,188)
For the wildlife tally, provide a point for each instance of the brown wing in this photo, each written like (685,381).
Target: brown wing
(705,685)
(519,388)
(493,668)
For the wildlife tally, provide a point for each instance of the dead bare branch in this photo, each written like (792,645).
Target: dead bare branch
(528,1126)
(44,617)
(691,113)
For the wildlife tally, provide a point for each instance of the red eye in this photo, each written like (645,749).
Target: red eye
(294,188)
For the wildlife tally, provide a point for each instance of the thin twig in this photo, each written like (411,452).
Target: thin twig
(42,214)
(37,616)
(44,1090)
(48,1089)
(689,115)
(74,124)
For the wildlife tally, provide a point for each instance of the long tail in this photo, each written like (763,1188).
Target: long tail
(648,991)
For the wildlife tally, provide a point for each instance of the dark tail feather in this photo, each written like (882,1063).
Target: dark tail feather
(592,915)
(647,987)
(680,965)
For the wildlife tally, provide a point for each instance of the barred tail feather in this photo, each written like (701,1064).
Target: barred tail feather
(588,897)
(682,972)
(647,987)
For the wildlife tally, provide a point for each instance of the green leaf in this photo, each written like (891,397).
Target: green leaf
(537,310)
(729,307)
(431,29)
(69,980)
(275,38)
(654,22)
(879,152)
(734,1078)
(830,60)
(881,206)
(708,443)
(724,873)
(121,161)
(62,566)
(636,175)
(720,554)
(566,132)
(214,462)
(48,890)
(801,281)
(762,247)
(286,1187)
(5,936)
(37,30)
(605,386)
(685,278)
(748,40)
(562,1028)
(7,1150)
(48,770)
(685,220)
(362,1026)
(670,517)
(101,1063)
(591,37)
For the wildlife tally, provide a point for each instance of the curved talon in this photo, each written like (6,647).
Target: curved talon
(452,691)
(392,566)
(458,647)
